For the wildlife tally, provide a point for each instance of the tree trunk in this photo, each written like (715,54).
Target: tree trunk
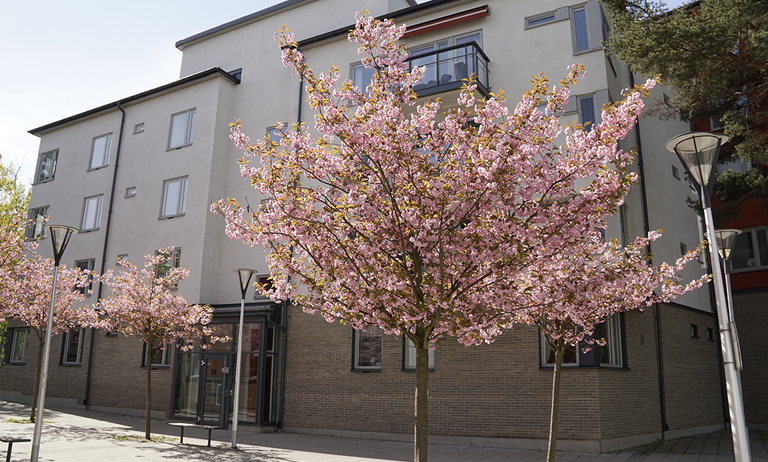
(36,392)
(421,410)
(552,446)
(148,418)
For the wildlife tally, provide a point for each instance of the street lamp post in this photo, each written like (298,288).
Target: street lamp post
(60,235)
(726,239)
(245,275)
(698,152)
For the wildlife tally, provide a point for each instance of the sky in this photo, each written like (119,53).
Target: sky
(61,58)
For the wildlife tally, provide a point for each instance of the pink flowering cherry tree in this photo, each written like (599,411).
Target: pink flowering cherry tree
(13,246)
(26,296)
(424,223)
(577,292)
(142,304)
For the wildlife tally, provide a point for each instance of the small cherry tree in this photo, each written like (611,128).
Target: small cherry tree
(425,224)
(587,288)
(13,246)
(142,304)
(26,296)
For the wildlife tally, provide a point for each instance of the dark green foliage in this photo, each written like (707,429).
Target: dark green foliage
(714,53)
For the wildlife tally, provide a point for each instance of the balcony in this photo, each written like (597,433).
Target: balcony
(447,67)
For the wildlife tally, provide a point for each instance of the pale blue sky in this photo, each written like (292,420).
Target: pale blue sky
(61,58)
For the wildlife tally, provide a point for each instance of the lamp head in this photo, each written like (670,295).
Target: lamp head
(60,235)
(698,152)
(245,275)
(726,239)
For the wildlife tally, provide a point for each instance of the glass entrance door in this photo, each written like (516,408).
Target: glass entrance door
(215,390)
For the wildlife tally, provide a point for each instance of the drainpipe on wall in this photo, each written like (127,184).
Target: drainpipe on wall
(657,308)
(285,302)
(104,252)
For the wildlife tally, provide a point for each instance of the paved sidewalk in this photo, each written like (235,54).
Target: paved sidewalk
(83,436)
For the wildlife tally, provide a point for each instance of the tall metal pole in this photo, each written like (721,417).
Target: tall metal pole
(44,374)
(238,372)
(739,433)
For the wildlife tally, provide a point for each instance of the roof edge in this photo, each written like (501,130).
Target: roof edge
(215,71)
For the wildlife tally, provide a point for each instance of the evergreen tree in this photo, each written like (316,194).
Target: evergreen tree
(715,55)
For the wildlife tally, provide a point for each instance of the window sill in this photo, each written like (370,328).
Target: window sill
(170,217)
(431,369)
(88,230)
(748,270)
(97,168)
(70,364)
(373,369)
(14,363)
(41,182)
(178,147)
(158,366)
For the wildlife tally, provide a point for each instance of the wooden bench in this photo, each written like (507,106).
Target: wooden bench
(10,440)
(184,425)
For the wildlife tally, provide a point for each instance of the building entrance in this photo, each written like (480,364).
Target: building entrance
(204,379)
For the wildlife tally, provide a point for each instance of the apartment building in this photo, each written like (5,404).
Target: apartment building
(139,174)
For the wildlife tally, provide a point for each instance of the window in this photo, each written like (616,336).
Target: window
(453,65)
(161,355)
(367,354)
(694,331)
(182,127)
(623,225)
(734,164)
(91,213)
(86,265)
(266,281)
(273,135)
(100,151)
(17,348)
(409,356)
(610,354)
(72,348)
(540,19)
(750,252)
(710,333)
(587,112)
(580,30)
(683,248)
(120,258)
(675,172)
(361,77)
(35,227)
(130,192)
(174,197)
(138,128)
(46,166)
(172,261)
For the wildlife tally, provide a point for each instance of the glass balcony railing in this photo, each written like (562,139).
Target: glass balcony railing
(447,67)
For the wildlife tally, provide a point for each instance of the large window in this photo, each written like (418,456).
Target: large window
(17,346)
(87,265)
(750,252)
(174,197)
(182,128)
(160,355)
(610,354)
(35,227)
(72,348)
(409,355)
(452,65)
(100,151)
(367,349)
(171,261)
(91,213)
(580,29)
(46,166)
(588,27)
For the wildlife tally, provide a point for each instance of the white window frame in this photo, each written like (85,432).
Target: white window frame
(100,159)
(613,343)
(54,155)
(545,349)
(86,217)
(14,346)
(409,356)
(540,19)
(138,128)
(356,354)
(273,134)
(181,200)
(35,227)
(363,84)
(87,264)
(130,191)
(759,264)
(188,127)
(175,262)
(165,356)
(66,347)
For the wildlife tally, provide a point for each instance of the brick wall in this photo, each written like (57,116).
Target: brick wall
(751,313)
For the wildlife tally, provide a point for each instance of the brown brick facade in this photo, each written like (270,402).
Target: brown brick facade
(751,313)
